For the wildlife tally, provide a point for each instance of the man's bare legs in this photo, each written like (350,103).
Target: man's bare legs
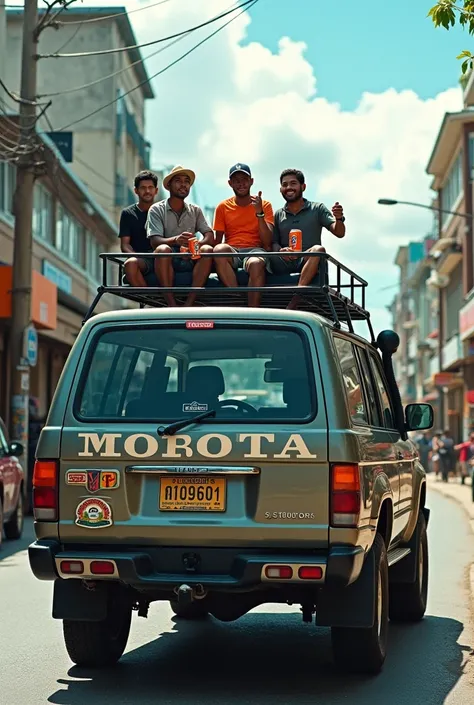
(201,272)
(224,268)
(134,268)
(309,271)
(255,267)
(165,272)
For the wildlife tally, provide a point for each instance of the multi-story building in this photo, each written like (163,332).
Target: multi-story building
(108,147)
(415,315)
(447,270)
(69,230)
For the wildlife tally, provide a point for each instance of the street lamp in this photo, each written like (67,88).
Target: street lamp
(393,202)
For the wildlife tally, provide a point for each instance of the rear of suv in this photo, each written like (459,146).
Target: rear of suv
(223,459)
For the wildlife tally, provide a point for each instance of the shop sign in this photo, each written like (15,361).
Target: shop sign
(444,379)
(466,320)
(62,280)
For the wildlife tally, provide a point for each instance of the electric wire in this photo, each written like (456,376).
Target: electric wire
(142,60)
(102,52)
(159,73)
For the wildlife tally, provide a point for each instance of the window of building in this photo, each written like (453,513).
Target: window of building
(42,213)
(453,303)
(7,187)
(93,261)
(453,187)
(352,381)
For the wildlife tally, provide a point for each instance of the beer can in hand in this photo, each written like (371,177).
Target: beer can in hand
(193,243)
(296,240)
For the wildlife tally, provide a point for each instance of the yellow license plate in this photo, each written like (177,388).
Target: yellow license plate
(193,494)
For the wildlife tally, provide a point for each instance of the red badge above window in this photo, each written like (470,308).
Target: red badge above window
(199,324)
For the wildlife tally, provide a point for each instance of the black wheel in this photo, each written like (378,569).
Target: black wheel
(363,650)
(14,526)
(194,611)
(407,601)
(99,644)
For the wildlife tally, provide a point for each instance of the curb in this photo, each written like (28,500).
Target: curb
(463,501)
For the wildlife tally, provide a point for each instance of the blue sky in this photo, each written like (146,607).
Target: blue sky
(366,45)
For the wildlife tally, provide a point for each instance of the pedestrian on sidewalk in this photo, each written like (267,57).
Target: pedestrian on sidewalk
(466,456)
(447,455)
(434,454)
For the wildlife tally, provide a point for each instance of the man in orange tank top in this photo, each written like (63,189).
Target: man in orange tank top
(245,223)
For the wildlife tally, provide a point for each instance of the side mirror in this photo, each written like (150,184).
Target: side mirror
(16,449)
(419,417)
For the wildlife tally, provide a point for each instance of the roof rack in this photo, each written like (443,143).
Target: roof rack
(337,294)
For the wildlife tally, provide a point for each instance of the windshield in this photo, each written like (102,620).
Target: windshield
(164,374)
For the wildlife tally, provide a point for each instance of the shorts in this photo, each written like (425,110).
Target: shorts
(148,268)
(240,262)
(277,265)
(182,264)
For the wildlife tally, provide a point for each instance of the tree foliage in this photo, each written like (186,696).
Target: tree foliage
(448,13)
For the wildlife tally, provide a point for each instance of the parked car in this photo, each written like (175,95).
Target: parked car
(11,487)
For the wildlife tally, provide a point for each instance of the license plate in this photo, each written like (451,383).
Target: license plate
(193,494)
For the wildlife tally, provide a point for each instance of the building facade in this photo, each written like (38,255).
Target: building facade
(445,270)
(70,229)
(108,147)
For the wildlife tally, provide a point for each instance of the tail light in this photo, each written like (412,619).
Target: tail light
(102,568)
(279,572)
(45,490)
(345,495)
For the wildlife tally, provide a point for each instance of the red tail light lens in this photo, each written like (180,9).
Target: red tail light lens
(345,495)
(102,568)
(310,572)
(45,490)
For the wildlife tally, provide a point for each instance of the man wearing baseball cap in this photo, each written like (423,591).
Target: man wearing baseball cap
(245,223)
(171,223)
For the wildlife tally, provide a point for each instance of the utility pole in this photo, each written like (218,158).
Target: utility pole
(22,253)
(3,42)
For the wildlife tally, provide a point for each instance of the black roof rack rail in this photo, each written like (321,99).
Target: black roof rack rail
(338,294)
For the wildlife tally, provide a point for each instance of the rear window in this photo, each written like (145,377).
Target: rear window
(162,373)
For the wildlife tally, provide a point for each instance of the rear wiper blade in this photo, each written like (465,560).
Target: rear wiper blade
(178,425)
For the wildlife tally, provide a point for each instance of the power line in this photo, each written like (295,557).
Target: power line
(142,60)
(147,44)
(166,68)
(117,14)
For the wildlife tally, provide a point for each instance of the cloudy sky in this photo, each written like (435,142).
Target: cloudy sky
(353,93)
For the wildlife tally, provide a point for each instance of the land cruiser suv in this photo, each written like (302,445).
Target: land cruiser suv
(222,457)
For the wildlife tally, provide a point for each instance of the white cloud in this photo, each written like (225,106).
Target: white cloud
(230,102)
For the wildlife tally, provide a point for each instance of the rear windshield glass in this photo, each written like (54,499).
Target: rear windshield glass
(167,374)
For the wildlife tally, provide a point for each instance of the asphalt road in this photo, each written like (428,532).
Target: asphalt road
(267,657)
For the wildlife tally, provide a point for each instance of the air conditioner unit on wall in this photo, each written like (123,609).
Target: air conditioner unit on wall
(437,280)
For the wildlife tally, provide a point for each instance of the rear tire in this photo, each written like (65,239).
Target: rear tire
(195,611)
(408,600)
(363,650)
(99,644)
(14,526)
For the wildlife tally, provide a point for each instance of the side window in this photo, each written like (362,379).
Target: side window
(3,443)
(387,413)
(352,381)
(371,390)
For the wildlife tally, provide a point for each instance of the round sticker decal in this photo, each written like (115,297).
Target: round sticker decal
(93,513)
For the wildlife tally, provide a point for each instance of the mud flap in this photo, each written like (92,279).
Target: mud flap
(72,600)
(404,572)
(351,606)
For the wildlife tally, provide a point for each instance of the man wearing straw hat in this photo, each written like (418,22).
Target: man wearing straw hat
(170,224)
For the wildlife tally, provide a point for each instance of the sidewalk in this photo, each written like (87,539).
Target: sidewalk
(462,494)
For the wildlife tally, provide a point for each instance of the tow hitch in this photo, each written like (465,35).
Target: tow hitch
(186,594)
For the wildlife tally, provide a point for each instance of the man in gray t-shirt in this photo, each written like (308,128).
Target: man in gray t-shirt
(170,224)
(309,217)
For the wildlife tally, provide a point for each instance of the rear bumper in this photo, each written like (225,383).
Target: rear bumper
(217,569)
